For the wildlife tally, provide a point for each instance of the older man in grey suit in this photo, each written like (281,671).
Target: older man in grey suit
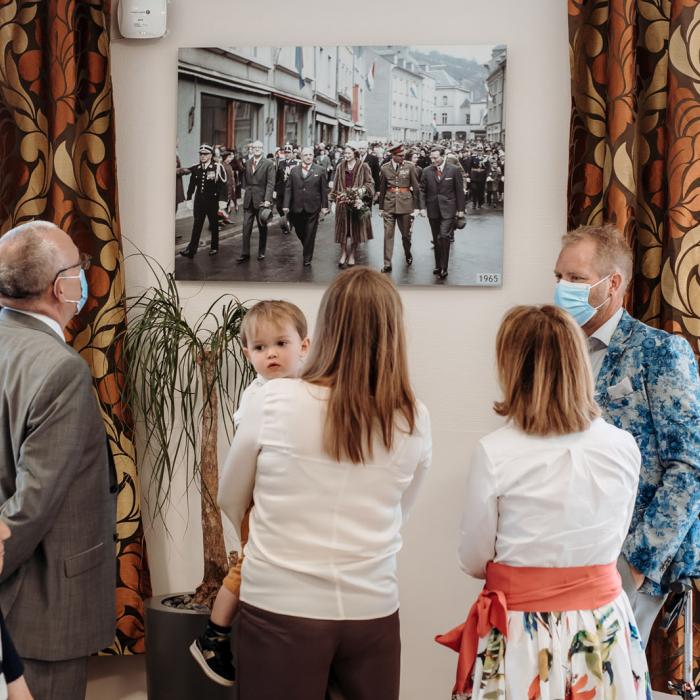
(57,487)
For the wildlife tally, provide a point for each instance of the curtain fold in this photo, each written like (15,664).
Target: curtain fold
(57,162)
(634,160)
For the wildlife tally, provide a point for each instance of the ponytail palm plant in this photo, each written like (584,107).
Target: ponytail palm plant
(182,379)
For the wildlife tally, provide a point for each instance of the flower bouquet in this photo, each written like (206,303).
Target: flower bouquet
(352,198)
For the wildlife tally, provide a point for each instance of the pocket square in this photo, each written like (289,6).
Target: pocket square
(448,178)
(617,391)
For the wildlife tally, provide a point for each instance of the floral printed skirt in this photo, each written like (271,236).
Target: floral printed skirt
(575,655)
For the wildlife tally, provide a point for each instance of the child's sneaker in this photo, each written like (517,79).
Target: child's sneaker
(215,658)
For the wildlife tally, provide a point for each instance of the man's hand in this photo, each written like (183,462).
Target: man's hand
(381,212)
(285,210)
(460,214)
(423,212)
(637,576)
(416,212)
(324,211)
(267,204)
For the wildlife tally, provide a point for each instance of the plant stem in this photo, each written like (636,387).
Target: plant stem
(215,560)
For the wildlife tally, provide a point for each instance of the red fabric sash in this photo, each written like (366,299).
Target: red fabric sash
(526,589)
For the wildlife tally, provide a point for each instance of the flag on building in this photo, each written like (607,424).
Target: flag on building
(413,91)
(299,64)
(370,76)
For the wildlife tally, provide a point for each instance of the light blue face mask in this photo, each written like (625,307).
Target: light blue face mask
(79,303)
(573,297)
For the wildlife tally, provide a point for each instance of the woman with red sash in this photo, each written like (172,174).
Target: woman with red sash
(549,501)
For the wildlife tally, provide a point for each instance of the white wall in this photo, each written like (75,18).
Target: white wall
(451,331)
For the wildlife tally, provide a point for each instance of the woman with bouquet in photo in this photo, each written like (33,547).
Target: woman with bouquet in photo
(353,190)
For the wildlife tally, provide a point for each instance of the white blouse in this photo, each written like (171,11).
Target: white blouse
(553,501)
(324,535)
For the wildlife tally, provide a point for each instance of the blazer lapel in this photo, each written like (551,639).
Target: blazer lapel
(611,367)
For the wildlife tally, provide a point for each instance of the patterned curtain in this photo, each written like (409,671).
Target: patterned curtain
(57,163)
(635,161)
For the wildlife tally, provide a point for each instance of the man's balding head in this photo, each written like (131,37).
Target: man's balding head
(31,256)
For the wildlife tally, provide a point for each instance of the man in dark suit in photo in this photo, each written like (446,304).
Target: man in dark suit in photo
(57,482)
(305,199)
(373,162)
(259,183)
(442,198)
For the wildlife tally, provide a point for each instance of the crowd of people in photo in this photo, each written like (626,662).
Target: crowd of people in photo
(580,513)
(302,185)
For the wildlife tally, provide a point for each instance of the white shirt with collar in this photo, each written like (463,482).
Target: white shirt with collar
(53,325)
(549,501)
(599,340)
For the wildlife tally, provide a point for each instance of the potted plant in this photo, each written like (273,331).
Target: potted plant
(181,378)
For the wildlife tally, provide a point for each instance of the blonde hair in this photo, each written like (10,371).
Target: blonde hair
(544,372)
(275,312)
(613,253)
(359,352)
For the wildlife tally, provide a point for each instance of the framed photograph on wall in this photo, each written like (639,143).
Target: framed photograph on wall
(295,162)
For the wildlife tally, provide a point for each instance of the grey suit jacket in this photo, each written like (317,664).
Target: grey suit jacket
(57,494)
(259,185)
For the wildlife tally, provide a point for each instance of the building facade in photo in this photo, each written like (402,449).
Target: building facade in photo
(496,95)
(331,94)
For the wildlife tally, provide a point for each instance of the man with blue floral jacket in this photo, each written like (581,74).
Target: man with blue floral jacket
(646,383)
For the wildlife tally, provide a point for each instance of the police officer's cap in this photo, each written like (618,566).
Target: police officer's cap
(206,148)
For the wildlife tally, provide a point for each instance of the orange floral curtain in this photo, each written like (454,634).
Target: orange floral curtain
(57,163)
(635,161)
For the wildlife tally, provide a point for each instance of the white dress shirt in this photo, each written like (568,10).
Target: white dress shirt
(324,535)
(599,340)
(53,325)
(555,501)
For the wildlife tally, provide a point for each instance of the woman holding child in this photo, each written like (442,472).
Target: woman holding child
(336,458)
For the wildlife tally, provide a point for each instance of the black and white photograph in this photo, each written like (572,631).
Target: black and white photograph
(296,162)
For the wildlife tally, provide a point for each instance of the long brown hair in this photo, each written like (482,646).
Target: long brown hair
(544,371)
(359,352)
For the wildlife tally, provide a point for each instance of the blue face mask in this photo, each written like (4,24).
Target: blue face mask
(79,303)
(573,297)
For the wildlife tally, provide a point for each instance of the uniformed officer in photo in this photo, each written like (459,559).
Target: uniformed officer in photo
(208,185)
(399,200)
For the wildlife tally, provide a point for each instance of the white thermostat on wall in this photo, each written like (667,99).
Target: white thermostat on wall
(142,19)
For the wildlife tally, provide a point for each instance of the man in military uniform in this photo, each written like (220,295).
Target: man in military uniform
(398,201)
(208,185)
(284,167)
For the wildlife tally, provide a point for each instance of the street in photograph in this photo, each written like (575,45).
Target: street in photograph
(294,163)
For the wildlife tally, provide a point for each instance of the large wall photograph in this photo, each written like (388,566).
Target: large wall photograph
(296,162)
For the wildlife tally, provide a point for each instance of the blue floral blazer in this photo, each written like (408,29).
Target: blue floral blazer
(648,385)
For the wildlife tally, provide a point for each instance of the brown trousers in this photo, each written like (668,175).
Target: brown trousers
(390,221)
(280,657)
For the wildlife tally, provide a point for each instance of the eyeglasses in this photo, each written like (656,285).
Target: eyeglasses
(84,263)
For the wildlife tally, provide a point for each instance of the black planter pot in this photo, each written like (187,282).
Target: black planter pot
(171,672)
